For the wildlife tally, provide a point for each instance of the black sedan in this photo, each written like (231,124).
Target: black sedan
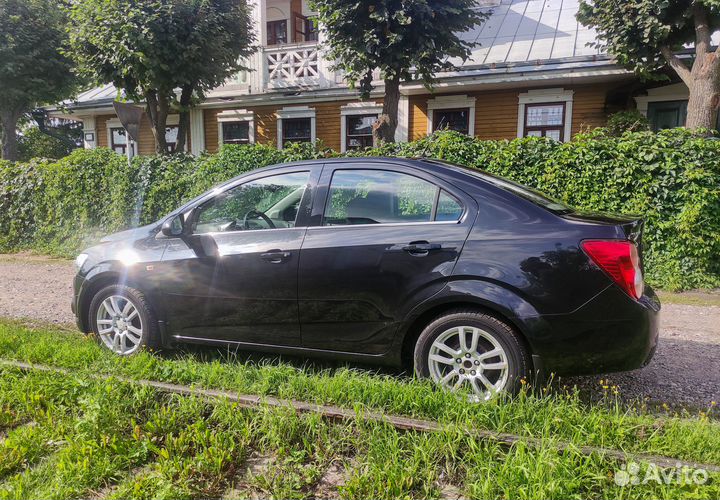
(475,281)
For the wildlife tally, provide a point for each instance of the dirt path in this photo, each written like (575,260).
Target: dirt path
(685,370)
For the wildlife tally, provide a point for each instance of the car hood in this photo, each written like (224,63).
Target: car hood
(131,234)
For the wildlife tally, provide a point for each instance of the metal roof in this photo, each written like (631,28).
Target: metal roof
(530,30)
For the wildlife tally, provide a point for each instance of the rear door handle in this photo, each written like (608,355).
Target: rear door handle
(275,256)
(421,247)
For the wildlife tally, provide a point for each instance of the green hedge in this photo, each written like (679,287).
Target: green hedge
(671,178)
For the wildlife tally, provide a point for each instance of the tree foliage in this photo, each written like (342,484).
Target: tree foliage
(33,68)
(650,35)
(404,39)
(167,53)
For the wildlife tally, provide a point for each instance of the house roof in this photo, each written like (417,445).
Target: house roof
(530,30)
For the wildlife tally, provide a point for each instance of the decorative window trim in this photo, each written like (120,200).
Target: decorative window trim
(546,96)
(289,112)
(451,102)
(236,115)
(354,109)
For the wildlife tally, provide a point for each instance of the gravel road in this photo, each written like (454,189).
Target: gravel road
(685,370)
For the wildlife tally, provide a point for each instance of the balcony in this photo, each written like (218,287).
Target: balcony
(290,66)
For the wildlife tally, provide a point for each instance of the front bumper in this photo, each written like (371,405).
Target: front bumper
(610,333)
(75,306)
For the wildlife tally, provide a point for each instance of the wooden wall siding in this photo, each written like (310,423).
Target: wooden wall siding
(211,129)
(496,111)
(327,124)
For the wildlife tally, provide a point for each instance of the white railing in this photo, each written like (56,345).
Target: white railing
(292,66)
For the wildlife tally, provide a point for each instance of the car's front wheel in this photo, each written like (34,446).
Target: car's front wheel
(122,320)
(470,350)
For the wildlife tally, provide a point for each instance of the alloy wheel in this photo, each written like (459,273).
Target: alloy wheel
(120,325)
(469,357)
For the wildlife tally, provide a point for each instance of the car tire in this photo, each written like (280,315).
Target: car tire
(497,362)
(123,321)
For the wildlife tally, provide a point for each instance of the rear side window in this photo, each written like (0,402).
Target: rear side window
(448,207)
(384,197)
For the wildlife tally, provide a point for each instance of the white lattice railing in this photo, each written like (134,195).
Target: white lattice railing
(291,66)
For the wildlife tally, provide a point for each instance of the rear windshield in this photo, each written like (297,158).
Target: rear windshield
(525,192)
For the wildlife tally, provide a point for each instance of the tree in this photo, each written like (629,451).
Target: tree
(33,69)
(167,53)
(401,38)
(648,35)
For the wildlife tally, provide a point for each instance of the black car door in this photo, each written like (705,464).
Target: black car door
(235,276)
(383,239)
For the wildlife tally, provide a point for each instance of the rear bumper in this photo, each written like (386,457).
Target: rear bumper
(610,333)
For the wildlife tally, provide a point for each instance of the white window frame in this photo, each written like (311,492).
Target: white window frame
(451,102)
(290,112)
(674,92)
(546,96)
(355,109)
(236,115)
(115,123)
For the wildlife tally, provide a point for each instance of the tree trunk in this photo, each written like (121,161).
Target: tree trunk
(704,86)
(702,110)
(384,128)
(157,110)
(9,119)
(184,125)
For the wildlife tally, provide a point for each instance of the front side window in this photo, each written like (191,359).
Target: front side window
(359,131)
(296,130)
(268,203)
(118,140)
(545,120)
(452,119)
(236,132)
(379,197)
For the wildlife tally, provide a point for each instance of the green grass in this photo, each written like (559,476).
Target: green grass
(74,436)
(132,442)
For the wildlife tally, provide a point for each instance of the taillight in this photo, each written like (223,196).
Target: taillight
(620,260)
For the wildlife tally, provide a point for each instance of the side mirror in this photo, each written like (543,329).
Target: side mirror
(173,227)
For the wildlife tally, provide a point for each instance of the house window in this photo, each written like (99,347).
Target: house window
(296,130)
(451,112)
(171,136)
(452,119)
(236,132)
(118,140)
(306,28)
(545,113)
(666,114)
(545,120)
(277,32)
(359,131)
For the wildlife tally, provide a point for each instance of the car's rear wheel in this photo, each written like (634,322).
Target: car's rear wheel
(122,320)
(472,351)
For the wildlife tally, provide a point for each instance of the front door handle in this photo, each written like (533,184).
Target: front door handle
(275,256)
(421,247)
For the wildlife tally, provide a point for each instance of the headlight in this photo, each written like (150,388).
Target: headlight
(80,260)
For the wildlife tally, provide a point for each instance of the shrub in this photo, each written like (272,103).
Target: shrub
(627,121)
(672,178)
